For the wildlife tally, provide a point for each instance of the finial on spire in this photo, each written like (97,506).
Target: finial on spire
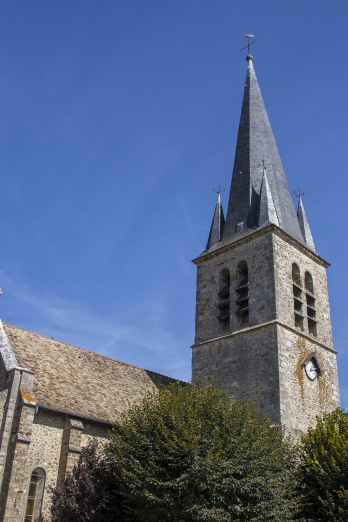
(299,192)
(219,190)
(248,36)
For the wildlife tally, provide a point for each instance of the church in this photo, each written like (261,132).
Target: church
(263,329)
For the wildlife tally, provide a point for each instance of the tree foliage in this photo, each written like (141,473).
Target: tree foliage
(88,492)
(192,453)
(323,469)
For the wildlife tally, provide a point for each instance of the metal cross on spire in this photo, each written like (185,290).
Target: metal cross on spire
(219,190)
(299,192)
(248,36)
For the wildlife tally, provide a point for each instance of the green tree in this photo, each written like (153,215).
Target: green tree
(193,453)
(323,471)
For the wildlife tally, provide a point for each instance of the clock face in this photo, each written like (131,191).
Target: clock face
(311,370)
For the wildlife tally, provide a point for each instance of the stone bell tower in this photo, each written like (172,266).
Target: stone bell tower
(263,324)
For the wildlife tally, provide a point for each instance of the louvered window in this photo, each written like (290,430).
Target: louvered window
(298,297)
(310,301)
(35,495)
(242,294)
(224,299)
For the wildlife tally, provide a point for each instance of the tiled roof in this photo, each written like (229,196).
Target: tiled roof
(76,380)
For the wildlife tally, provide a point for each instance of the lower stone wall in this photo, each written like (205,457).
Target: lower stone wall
(246,362)
(45,451)
(301,399)
(265,365)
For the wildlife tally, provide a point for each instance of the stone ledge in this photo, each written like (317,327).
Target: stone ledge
(27,399)
(279,323)
(24,437)
(74,449)
(76,424)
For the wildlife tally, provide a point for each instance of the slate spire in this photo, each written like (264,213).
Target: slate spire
(256,149)
(304,225)
(217,225)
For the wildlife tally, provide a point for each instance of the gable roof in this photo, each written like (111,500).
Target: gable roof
(77,380)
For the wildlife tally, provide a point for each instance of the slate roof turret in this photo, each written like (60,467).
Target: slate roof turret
(304,225)
(256,148)
(268,213)
(217,225)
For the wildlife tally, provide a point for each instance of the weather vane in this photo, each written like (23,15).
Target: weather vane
(299,192)
(248,36)
(219,190)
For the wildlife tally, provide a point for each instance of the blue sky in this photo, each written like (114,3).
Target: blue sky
(117,119)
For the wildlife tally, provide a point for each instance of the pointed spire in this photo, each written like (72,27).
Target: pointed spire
(268,213)
(256,143)
(304,225)
(217,225)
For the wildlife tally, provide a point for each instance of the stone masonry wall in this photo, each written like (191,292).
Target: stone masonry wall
(246,362)
(285,254)
(45,450)
(301,399)
(258,253)
(263,360)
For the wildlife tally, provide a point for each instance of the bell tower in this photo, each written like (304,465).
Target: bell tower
(263,326)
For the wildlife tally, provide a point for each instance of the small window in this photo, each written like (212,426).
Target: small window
(35,495)
(239,227)
(297,293)
(224,299)
(242,297)
(310,301)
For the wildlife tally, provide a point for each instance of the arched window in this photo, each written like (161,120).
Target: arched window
(35,495)
(296,277)
(297,291)
(242,291)
(309,283)
(224,295)
(310,300)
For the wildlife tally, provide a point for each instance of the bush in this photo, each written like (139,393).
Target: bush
(193,453)
(88,492)
(323,471)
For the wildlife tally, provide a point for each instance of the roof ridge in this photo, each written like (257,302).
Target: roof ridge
(90,351)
